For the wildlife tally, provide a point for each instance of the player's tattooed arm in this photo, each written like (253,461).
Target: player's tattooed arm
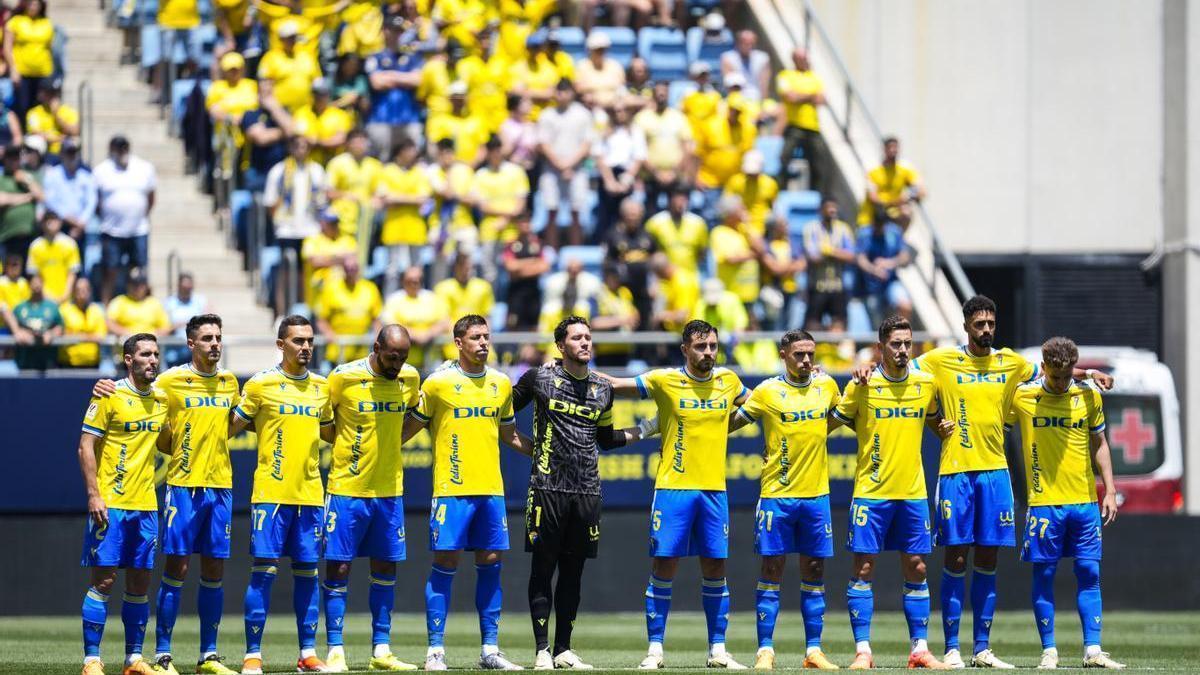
(97,509)
(1102,458)
(104,388)
(515,439)
(1103,380)
(412,427)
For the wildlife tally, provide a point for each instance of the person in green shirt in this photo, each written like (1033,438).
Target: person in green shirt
(20,193)
(38,325)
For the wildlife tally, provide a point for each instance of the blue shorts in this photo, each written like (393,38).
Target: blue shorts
(198,521)
(889,525)
(364,527)
(1068,531)
(689,522)
(794,525)
(124,251)
(129,540)
(286,530)
(975,507)
(476,523)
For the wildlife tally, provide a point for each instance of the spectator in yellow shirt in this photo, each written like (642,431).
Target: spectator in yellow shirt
(233,95)
(353,177)
(615,312)
(670,148)
(28,39)
(678,293)
(362,30)
(349,307)
(487,76)
(322,255)
(701,104)
(14,288)
(82,319)
(419,310)
(288,72)
(468,129)
(780,265)
(234,22)
(464,293)
(756,190)
(736,251)
(720,307)
(55,257)
(403,194)
(802,92)
(323,124)
(722,142)
(52,119)
(311,18)
(681,234)
(892,187)
(499,191)
(536,76)
(137,311)
(451,218)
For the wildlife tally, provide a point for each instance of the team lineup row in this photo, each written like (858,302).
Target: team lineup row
(367,409)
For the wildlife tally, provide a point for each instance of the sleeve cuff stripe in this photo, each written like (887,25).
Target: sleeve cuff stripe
(508,420)
(641,387)
(1102,427)
(326,423)
(839,416)
(418,415)
(92,430)
(239,413)
(741,412)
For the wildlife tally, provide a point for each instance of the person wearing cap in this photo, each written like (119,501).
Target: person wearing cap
(20,193)
(713,24)
(402,194)
(682,235)
(756,190)
(394,73)
(702,103)
(33,156)
(232,95)
(802,91)
(322,123)
(722,142)
(51,118)
(751,63)
(137,311)
(125,185)
(670,148)
(468,128)
(322,255)
(499,191)
(565,139)
(353,177)
(286,71)
(28,42)
(70,190)
(598,77)
(735,94)
(54,256)
(349,307)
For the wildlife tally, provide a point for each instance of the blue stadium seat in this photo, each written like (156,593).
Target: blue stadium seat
(572,38)
(592,258)
(151,45)
(710,53)
(665,51)
(797,207)
(624,43)
(678,89)
(771,147)
(377,265)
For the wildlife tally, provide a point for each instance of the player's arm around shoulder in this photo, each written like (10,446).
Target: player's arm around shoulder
(751,410)
(1101,455)
(631,387)
(241,416)
(94,423)
(847,407)
(418,416)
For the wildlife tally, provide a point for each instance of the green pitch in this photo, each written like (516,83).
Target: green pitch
(614,641)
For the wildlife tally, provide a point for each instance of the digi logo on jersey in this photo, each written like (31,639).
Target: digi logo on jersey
(142,425)
(703,404)
(206,402)
(382,407)
(893,413)
(302,410)
(476,411)
(981,378)
(1057,423)
(570,408)
(801,416)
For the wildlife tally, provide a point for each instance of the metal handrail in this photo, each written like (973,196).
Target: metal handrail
(256,237)
(174,267)
(87,116)
(290,266)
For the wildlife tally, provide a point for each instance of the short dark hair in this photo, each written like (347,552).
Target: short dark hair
(564,85)
(513,101)
(1060,352)
(466,323)
(131,342)
(194,323)
(893,323)
(697,328)
(118,143)
(493,143)
(356,132)
(978,303)
(404,143)
(560,331)
(445,144)
(890,139)
(289,321)
(794,336)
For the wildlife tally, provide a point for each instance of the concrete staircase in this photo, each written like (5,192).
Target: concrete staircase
(182,220)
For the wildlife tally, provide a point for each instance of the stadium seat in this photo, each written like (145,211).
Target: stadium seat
(624,43)
(678,89)
(151,45)
(592,258)
(665,51)
(710,53)
(572,38)
(797,207)
(771,148)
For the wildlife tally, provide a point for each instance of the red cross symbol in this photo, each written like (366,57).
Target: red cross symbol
(1132,436)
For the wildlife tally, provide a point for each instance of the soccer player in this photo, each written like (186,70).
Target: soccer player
(288,405)
(690,513)
(1062,434)
(199,496)
(364,512)
(572,419)
(974,504)
(793,507)
(889,510)
(116,457)
(468,409)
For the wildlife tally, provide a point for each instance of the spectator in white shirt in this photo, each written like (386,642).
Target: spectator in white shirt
(753,64)
(125,185)
(565,140)
(295,194)
(181,307)
(619,154)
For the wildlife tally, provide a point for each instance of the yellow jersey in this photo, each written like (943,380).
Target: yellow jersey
(889,182)
(32,41)
(362,34)
(487,89)
(234,100)
(975,392)
(1056,432)
(419,313)
(288,413)
(359,179)
(403,224)
(698,106)
(758,196)
(889,418)
(803,115)
(475,297)
(235,12)
(350,312)
(740,277)
(320,246)
(127,424)
(198,406)
(369,412)
(680,293)
(683,242)
(505,188)
(456,180)
(322,127)
(793,416)
(55,261)
(39,120)
(720,146)
(465,413)
(469,131)
(88,322)
(14,291)
(139,316)
(291,76)
(693,419)
(178,14)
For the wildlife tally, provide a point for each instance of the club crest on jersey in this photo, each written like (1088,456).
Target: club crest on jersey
(495,389)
